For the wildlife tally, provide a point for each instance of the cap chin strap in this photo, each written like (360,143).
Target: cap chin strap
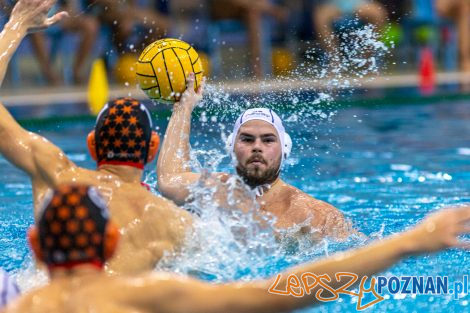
(287,145)
(229,146)
(261,189)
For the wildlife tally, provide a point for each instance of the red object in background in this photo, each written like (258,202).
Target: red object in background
(427,74)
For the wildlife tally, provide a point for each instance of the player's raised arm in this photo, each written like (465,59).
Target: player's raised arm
(27,16)
(173,170)
(28,151)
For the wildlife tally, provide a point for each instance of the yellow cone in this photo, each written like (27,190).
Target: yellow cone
(125,70)
(97,87)
(283,61)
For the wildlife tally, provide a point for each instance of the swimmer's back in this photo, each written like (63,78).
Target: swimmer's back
(150,224)
(83,294)
(127,200)
(102,293)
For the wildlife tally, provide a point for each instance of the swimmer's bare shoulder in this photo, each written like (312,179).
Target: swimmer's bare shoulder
(150,223)
(119,294)
(102,293)
(128,200)
(324,216)
(159,227)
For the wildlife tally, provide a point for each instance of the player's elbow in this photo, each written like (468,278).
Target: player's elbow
(5,130)
(171,189)
(164,185)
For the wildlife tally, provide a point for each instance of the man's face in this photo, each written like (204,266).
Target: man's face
(258,151)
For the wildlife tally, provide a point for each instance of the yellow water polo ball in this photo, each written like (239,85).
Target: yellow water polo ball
(163,66)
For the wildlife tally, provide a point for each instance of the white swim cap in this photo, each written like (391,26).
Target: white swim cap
(8,289)
(268,116)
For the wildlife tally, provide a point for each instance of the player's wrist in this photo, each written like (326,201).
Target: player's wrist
(17,26)
(412,242)
(184,107)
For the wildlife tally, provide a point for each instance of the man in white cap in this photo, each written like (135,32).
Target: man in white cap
(259,145)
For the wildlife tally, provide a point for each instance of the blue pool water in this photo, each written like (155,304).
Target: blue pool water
(385,168)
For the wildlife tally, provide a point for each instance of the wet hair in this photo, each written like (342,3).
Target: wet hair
(72,226)
(122,133)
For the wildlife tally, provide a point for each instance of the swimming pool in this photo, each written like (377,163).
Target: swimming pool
(384,167)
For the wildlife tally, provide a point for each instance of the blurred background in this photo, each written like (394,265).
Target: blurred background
(420,45)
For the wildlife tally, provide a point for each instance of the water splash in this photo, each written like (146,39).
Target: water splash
(233,239)
(30,276)
(307,97)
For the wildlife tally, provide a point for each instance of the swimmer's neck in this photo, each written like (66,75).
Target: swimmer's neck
(128,174)
(81,270)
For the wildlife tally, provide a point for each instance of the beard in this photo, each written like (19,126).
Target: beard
(255,176)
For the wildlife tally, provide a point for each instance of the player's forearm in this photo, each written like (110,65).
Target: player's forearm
(363,262)
(174,156)
(15,140)
(10,38)
(7,122)
(15,145)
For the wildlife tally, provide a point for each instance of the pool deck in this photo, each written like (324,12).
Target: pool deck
(47,96)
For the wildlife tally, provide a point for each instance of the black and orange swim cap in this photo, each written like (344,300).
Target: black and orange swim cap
(72,227)
(122,133)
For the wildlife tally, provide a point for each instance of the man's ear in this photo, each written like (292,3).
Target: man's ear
(111,240)
(91,143)
(33,238)
(153,149)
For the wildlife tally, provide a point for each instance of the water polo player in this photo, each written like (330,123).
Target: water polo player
(122,143)
(74,237)
(123,135)
(259,146)
(73,229)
